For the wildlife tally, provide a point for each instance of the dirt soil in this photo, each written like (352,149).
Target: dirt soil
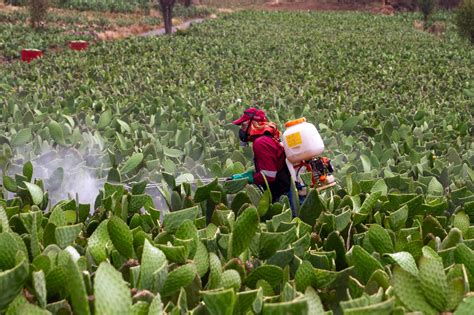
(8,8)
(123,32)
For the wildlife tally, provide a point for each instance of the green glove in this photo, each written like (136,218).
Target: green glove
(248,175)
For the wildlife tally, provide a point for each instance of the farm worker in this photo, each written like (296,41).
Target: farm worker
(269,154)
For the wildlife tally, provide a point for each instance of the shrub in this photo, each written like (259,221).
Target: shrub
(448,4)
(465,20)
(16,2)
(403,5)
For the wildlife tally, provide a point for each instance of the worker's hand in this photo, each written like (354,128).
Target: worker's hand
(248,175)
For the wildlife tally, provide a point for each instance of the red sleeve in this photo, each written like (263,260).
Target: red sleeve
(266,160)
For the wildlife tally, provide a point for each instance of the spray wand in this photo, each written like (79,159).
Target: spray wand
(195,181)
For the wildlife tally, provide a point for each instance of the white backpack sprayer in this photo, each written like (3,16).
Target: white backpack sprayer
(303,147)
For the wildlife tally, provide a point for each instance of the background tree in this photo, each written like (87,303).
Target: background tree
(38,12)
(167,10)
(427,8)
(465,20)
(145,5)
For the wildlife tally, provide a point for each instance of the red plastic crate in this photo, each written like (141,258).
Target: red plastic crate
(29,54)
(78,45)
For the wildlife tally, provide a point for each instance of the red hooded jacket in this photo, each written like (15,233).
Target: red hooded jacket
(269,159)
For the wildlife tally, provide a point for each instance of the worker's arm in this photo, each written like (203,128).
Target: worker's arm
(265,161)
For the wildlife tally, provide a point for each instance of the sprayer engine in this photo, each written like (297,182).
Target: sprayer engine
(320,168)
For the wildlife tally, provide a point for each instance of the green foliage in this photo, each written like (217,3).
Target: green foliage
(191,11)
(111,6)
(465,20)
(237,258)
(244,230)
(394,235)
(111,292)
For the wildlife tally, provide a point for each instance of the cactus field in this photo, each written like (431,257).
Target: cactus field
(110,158)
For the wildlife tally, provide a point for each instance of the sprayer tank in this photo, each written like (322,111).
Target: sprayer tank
(301,141)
